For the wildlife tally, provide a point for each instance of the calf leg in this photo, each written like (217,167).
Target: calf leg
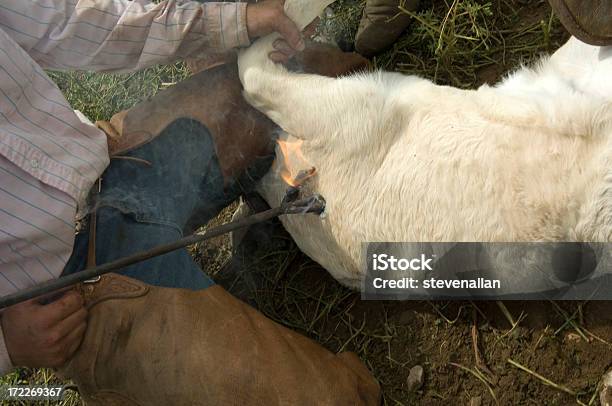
(290,100)
(302,104)
(587,66)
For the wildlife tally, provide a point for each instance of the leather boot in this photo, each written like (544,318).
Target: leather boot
(381,25)
(588,20)
(147,345)
(214,98)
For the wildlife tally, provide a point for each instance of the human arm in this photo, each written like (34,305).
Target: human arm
(120,35)
(36,236)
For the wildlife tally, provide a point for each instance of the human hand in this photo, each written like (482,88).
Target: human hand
(269,16)
(283,51)
(44,336)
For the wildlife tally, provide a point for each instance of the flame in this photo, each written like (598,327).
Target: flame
(292,160)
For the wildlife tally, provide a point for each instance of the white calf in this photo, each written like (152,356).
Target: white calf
(399,158)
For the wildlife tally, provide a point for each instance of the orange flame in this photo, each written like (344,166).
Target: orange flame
(292,159)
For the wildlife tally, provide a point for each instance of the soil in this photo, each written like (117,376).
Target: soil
(392,337)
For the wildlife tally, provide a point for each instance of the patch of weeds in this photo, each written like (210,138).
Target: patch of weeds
(463,43)
(100,95)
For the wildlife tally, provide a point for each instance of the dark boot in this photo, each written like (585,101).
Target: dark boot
(381,25)
(588,20)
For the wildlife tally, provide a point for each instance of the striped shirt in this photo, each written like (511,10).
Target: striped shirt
(50,156)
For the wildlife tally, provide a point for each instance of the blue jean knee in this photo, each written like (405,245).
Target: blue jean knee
(148,198)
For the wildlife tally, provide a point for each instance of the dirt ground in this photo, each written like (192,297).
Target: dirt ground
(566,343)
(472,353)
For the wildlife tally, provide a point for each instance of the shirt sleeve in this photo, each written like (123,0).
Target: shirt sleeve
(121,35)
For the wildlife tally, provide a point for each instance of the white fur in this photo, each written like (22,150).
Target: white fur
(399,158)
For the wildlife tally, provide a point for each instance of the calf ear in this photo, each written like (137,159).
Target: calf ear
(328,60)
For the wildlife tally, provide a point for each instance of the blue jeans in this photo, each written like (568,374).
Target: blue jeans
(141,206)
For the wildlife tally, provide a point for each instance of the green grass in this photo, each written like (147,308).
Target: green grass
(100,95)
(459,43)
